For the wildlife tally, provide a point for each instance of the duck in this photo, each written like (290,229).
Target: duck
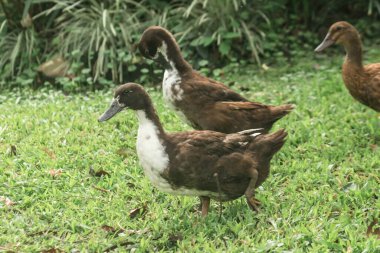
(203,163)
(363,82)
(203,103)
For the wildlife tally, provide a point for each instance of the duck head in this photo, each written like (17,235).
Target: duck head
(342,33)
(130,95)
(159,45)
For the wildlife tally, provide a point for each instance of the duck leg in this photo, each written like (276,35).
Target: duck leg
(205,203)
(250,191)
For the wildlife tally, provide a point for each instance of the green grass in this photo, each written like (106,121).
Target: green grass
(322,193)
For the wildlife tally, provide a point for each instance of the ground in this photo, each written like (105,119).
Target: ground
(70,183)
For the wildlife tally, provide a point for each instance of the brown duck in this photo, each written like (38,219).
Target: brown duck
(197,163)
(363,82)
(202,102)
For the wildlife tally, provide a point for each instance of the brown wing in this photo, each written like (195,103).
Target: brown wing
(373,70)
(196,156)
(230,117)
(200,86)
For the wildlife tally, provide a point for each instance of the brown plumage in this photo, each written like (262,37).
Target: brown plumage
(363,82)
(205,163)
(205,103)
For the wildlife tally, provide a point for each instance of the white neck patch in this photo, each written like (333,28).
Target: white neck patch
(163,49)
(171,85)
(151,152)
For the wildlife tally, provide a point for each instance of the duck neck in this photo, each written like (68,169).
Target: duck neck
(149,122)
(172,57)
(354,52)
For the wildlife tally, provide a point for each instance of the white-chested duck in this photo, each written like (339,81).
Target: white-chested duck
(197,163)
(202,102)
(363,82)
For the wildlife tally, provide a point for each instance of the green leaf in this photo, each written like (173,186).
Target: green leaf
(224,47)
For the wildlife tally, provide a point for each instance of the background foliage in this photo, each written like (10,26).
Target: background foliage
(95,39)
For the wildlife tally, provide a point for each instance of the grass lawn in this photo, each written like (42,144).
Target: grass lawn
(72,184)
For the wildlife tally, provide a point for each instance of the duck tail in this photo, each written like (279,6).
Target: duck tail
(268,144)
(277,140)
(280,111)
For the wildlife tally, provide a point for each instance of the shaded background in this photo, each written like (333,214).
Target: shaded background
(90,44)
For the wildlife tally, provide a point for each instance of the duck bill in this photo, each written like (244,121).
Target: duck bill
(112,111)
(325,44)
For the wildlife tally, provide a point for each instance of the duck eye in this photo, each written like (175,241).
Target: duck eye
(338,28)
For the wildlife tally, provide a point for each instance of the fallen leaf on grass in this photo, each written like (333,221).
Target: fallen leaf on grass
(140,210)
(55,173)
(374,231)
(7,201)
(373,147)
(265,67)
(50,153)
(112,230)
(98,173)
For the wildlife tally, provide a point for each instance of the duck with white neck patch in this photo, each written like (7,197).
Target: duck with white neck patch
(197,163)
(204,103)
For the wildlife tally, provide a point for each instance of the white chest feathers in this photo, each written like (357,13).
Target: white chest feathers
(151,152)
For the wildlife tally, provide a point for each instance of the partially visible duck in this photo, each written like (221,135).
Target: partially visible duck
(363,82)
(202,102)
(197,163)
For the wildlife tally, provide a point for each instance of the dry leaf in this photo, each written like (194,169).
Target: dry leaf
(140,210)
(101,173)
(50,153)
(55,67)
(55,173)
(7,201)
(373,147)
(98,173)
(26,21)
(112,230)
(265,67)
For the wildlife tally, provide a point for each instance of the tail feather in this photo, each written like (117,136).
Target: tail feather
(269,144)
(277,140)
(280,111)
